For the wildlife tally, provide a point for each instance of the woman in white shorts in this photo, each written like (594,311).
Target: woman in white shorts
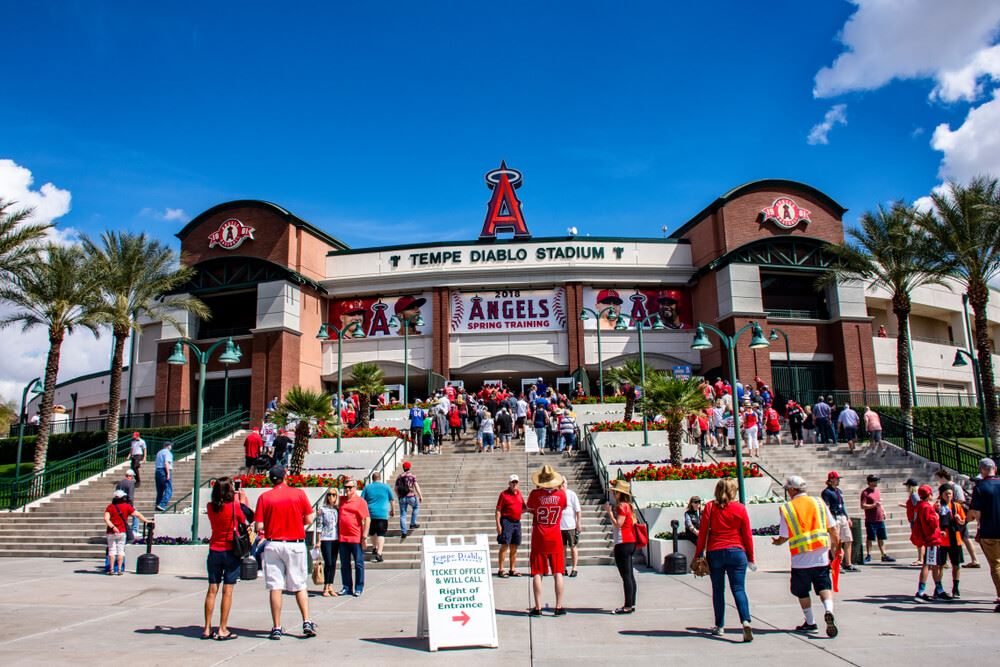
(117,518)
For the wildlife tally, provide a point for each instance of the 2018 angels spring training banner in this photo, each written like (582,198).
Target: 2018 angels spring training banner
(375,312)
(508,310)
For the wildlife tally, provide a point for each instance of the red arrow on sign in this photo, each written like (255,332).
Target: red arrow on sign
(464,618)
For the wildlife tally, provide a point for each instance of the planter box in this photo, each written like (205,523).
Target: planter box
(314,493)
(179,525)
(769,558)
(184,560)
(379,444)
(359,463)
(611,453)
(652,492)
(659,518)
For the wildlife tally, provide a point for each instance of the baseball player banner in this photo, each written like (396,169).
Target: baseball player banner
(672,304)
(376,313)
(508,310)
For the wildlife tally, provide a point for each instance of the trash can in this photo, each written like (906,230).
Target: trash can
(858,545)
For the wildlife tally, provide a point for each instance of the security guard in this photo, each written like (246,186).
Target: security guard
(811,533)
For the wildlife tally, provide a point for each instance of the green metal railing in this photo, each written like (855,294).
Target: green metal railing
(59,475)
(923,442)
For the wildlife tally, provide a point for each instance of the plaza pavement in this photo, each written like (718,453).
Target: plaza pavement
(64,612)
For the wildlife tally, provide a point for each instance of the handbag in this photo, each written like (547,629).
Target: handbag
(699,566)
(317,573)
(129,534)
(241,537)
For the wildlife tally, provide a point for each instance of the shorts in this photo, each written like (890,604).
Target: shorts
(116,544)
(223,568)
(520,422)
(510,532)
(770,432)
(816,578)
(570,537)
(875,530)
(378,528)
(953,554)
(876,436)
(250,461)
(796,432)
(547,562)
(850,433)
(931,556)
(506,437)
(843,529)
(285,566)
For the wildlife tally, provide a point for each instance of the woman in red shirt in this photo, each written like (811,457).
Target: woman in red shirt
(225,511)
(725,536)
(623,521)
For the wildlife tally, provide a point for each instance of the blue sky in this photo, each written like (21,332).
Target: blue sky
(377,121)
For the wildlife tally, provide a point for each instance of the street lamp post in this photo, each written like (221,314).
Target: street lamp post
(653,322)
(788,358)
(960,356)
(405,322)
(757,341)
(228,356)
(586,314)
(34,387)
(324,334)
(225,391)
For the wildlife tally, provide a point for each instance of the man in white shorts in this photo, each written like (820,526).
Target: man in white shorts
(282,516)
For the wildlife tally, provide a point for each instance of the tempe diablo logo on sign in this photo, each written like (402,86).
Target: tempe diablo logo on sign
(785,213)
(230,235)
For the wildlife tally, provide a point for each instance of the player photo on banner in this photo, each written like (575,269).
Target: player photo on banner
(672,304)
(508,310)
(376,312)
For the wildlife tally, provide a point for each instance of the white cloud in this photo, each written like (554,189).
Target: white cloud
(947,40)
(974,147)
(836,115)
(49,202)
(168,214)
(175,214)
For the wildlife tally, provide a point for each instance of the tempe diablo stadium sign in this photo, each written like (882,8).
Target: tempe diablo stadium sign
(230,235)
(508,310)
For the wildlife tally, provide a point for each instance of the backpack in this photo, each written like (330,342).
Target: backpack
(403,485)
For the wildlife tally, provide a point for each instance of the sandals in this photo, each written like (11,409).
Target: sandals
(572,573)
(502,574)
(213,635)
(535,612)
(514,573)
(225,637)
(623,610)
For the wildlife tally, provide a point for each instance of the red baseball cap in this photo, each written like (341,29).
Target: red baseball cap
(609,296)
(408,302)
(669,296)
(406,465)
(925,491)
(353,307)
(135,434)
(833,475)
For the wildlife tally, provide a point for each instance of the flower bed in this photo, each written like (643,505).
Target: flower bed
(166,540)
(754,500)
(590,400)
(632,463)
(621,426)
(652,473)
(328,431)
(297,481)
(766,530)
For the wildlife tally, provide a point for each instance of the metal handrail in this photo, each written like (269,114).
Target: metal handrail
(945,452)
(210,432)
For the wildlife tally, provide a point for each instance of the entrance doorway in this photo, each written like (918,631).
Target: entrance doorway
(215,390)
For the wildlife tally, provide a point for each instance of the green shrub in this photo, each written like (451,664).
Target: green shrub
(950,422)
(64,445)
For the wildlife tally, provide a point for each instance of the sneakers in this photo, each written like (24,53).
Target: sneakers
(378,558)
(358,591)
(747,632)
(535,612)
(941,595)
(308,628)
(344,591)
(888,559)
(807,628)
(559,611)
(831,625)
(868,558)
(402,536)
(275,634)
(716,631)
(414,526)
(955,594)
(922,597)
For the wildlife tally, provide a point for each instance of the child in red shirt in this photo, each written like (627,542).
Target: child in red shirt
(926,532)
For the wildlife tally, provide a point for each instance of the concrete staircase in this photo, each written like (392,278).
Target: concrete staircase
(72,525)
(460,489)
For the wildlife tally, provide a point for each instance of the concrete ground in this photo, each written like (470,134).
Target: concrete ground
(63,612)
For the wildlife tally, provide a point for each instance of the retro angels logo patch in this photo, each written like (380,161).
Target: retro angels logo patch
(785,213)
(230,235)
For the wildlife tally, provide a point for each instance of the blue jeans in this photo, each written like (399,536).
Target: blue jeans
(413,504)
(487,441)
(566,441)
(540,434)
(349,550)
(732,563)
(164,488)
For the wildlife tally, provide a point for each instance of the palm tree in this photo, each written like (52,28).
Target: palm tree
(136,272)
(17,237)
(886,251)
(675,399)
(964,225)
(629,373)
(368,380)
(59,291)
(301,406)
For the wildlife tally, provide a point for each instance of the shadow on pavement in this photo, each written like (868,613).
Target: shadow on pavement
(411,643)
(705,633)
(194,631)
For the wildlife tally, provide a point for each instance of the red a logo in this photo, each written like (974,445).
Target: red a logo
(503,213)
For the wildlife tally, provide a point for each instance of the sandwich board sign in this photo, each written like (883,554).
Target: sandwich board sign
(530,440)
(456,606)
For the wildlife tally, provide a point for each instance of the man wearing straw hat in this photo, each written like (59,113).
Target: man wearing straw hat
(546,504)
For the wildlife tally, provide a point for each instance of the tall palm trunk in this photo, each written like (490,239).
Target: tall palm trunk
(301,446)
(675,435)
(901,308)
(364,406)
(979,296)
(48,397)
(115,393)
(629,405)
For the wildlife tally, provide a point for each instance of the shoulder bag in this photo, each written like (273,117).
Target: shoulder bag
(699,566)
(129,535)
(241,536)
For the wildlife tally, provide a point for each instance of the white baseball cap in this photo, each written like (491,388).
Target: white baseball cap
(119,494)
(514,478)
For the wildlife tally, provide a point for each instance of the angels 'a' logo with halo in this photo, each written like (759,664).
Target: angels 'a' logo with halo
(230,235)
(785,213)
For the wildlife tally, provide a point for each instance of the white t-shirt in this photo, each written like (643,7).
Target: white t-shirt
(815,558)
(139,447)
(522,408)
(568,521)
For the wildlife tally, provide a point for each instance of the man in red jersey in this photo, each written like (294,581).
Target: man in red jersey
(546,504)
(251,449)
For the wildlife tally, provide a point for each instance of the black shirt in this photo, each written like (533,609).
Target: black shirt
(281,444)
